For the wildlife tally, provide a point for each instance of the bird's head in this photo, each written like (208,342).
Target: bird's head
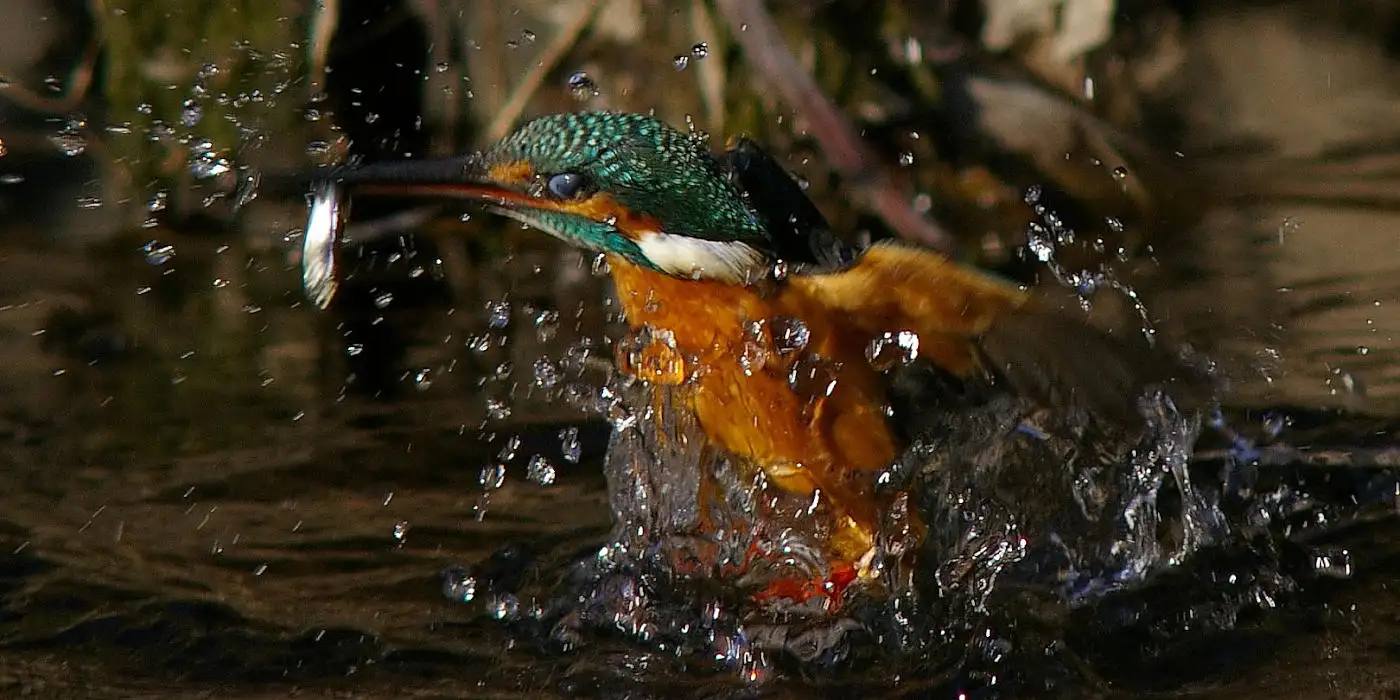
(626,184)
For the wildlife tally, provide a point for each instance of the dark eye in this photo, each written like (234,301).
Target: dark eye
(565,185)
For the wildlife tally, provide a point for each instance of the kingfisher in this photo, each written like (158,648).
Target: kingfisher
(761,319)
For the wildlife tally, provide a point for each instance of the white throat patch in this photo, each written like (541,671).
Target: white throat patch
(697,258)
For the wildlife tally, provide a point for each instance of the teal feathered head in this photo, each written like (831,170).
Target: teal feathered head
(619,183)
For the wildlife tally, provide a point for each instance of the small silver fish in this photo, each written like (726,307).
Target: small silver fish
(324,225)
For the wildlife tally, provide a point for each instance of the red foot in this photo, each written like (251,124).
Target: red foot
(800,591)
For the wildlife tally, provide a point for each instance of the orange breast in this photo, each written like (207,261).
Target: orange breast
(826,430)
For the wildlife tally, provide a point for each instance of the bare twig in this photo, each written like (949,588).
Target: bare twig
(711,73)
(766,50)
(78,84)
(324,19)
(549,58)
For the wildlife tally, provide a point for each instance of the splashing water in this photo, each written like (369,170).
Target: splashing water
(1021,504)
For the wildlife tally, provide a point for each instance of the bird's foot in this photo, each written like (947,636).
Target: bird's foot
(797,590)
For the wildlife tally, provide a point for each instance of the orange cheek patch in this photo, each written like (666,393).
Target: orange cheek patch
(601,207)
(515,172)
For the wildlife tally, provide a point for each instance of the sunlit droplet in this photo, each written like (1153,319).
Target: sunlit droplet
(498,314)
(423,379)
(546,325)
(158,253)
(496,409)
(789,334)
(569,445)
(459,585)
(546,373)
(191,114)
(582,87)
(892,349)
(540,471)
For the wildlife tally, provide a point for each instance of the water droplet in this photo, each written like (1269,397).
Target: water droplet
(1033,194)
(158,253)
(540,471)
(318,149)
(442,66)
(354,349)
(505,607)
(497,409)
(812,376)
(1039,243)
(527,35)
(906,159)
(569,445)
(582,87)
(1114,224)
(89,202)
(546,325)
(458,585)
(650,355)
(752,358)
(423,379)
(789,334)
(69,141)
(498,314)
(492,476)
(1120,173)
(680,62)
(600,267)
(144,108)
(371,117)
(781,270)
(546,373)
(401,531)
(1332,563)
(382,301)
(700,50)
(891,349)
(504,370)
(158,201)
(206,164)
(191,114)
(3,149)
(11,179)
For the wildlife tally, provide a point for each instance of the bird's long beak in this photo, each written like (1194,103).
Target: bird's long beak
(463,177)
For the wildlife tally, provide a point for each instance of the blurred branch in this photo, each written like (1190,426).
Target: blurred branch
(79,82)
(530,83)
(767,51)
(324,18)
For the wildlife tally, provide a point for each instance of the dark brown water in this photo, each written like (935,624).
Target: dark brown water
(209,488)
